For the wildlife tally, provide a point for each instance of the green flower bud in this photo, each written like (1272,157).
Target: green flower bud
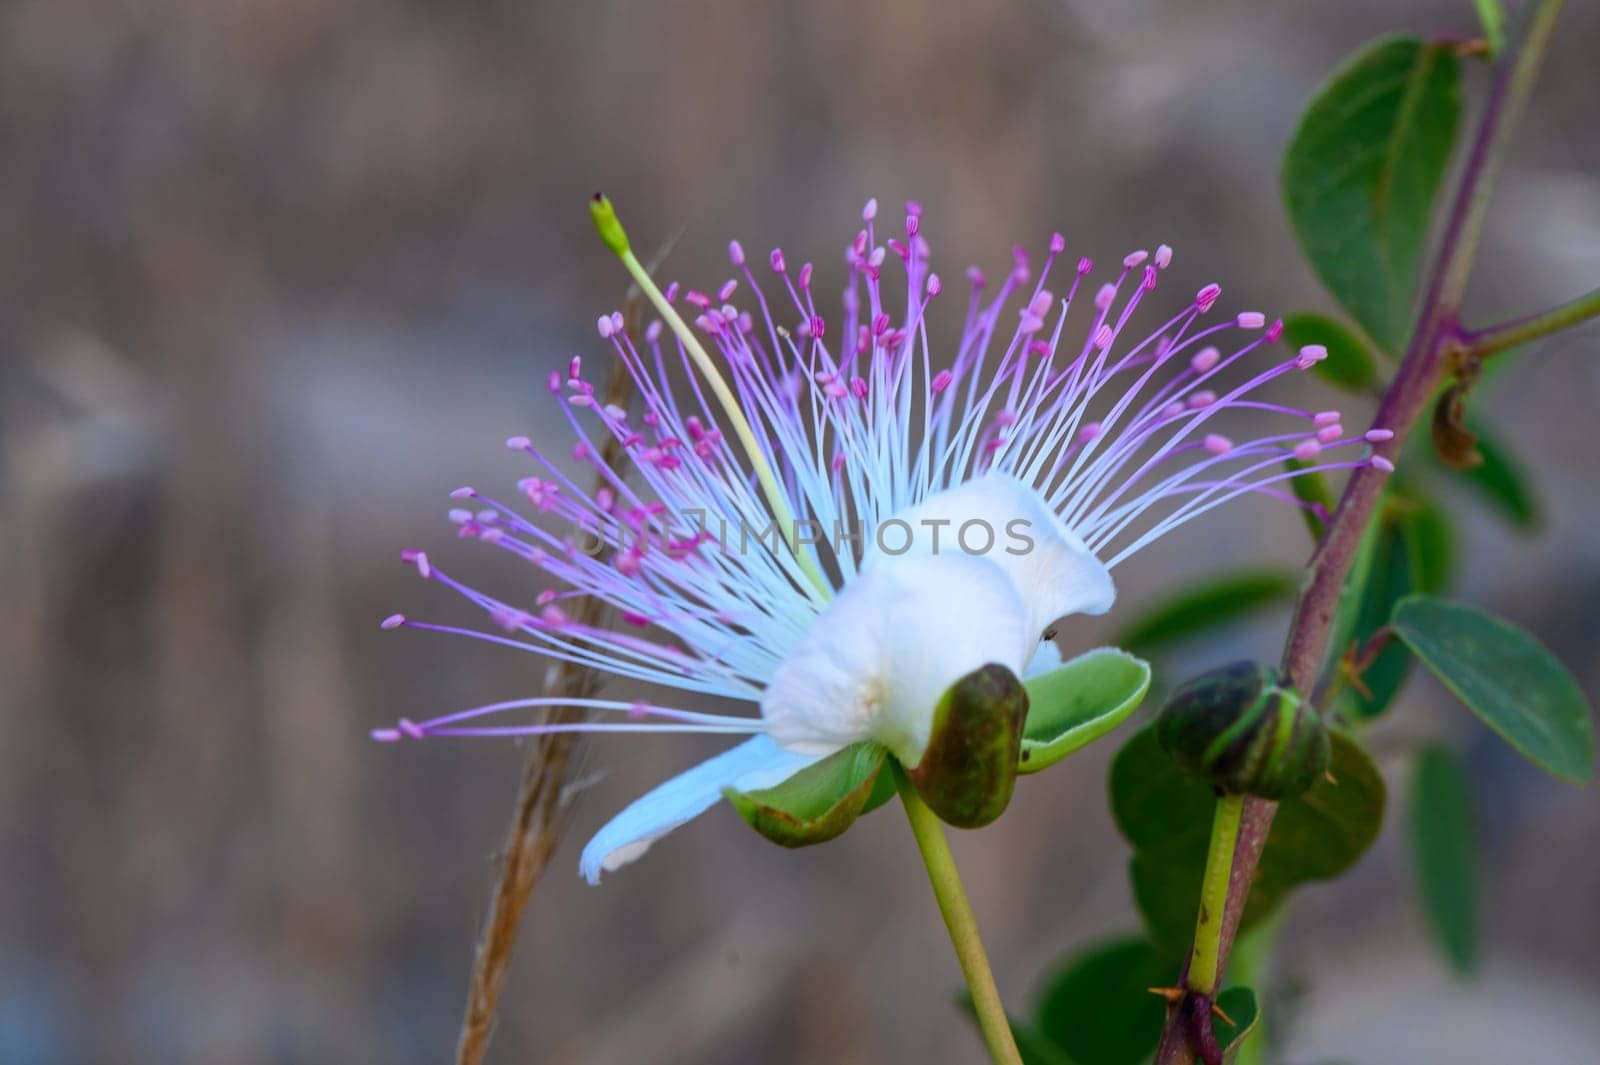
(1245,731)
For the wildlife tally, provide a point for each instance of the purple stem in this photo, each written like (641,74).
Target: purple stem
(1427,359)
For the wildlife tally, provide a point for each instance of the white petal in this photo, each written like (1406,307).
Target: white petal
(883,652)
(755,763)
(1053,569)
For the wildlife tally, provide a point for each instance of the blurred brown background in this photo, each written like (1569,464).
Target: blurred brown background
(279,274)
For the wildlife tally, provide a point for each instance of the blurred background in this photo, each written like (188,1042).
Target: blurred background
(279,274)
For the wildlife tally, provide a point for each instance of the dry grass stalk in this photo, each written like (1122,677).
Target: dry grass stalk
(537,824)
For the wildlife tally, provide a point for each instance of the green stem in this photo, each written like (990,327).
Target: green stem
(1205,964)
(1486,342)
(953,905)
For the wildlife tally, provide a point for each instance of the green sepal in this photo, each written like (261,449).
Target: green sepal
(1078,702)
(817,803)
(969,769)
(882,792)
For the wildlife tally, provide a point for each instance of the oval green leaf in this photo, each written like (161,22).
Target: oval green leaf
(1506,677)
(817,803)
(1201,608)
(1077,703)
(1098,1006)
(1410,548)
(1348,365)
(1501,480)
(1362,171)
(1444,847)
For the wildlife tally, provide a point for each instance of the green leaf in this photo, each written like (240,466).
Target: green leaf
(1166,814)
(1348,365)
(1432,542)
(969,770)
(1201,608)
(1444,846)
(1502,481)
(817,803)
(1493,18)
(1408,549)
(1079,702)
(1098,1006)
(1389,575)
(1239,1003)
(1362,171)
(1506,677)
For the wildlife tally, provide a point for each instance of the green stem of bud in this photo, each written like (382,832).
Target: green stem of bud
(1205,963)
(615,238)
(958,919)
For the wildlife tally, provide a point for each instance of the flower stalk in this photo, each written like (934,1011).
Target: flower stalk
(958,919)
(1423,369)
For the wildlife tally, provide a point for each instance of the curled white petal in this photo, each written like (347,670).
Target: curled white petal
(1051,567)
